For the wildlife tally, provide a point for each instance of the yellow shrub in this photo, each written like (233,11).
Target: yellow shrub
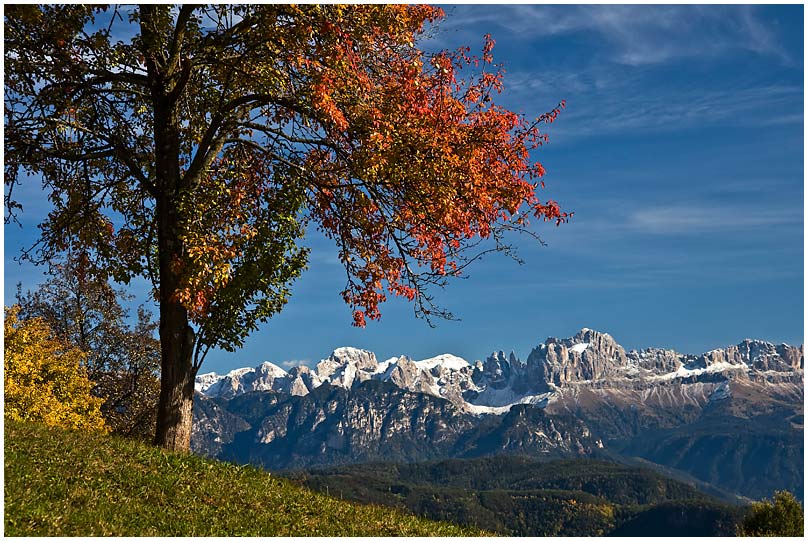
(44,378)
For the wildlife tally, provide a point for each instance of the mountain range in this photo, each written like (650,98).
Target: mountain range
(730,417)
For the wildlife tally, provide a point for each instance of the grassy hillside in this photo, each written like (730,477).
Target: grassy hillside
(61,483)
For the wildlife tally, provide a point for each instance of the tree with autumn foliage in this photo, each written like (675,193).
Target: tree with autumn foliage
(121,360)
(192,145)
(44,379)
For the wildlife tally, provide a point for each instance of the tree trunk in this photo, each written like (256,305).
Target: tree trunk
(175,408)
(177,339)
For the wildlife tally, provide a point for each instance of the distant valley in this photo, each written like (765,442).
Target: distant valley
(523,496)
(731,418)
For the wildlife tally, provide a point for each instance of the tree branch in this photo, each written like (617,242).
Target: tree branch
(179,35)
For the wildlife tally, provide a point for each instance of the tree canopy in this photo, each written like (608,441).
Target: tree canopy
(193,145)
(781,517)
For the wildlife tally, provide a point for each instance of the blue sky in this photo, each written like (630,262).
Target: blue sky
(681,154)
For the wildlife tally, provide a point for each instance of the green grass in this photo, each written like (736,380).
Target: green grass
(64,483)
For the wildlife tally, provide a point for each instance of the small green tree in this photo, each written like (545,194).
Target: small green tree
(782,517)
(44,378)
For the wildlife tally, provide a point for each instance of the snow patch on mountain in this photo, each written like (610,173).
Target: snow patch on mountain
(488,410)
(491,397)
(385,366)
(684,372)
(721,392)
(579,348)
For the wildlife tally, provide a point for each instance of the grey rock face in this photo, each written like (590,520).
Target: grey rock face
(657,361)
(587,356)
(408,375)
(213,426)
(303,380)
(759,355)
(496,371)
(376,421)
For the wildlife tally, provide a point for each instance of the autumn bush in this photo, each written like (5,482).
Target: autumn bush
(44,378)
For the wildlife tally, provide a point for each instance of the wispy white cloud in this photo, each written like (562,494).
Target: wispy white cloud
(601,104)
(700,219)
(618,222)
(616,77)
(635,34)
(678,272)
(294,362)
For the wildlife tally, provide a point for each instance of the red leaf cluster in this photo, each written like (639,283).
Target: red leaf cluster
(421,162)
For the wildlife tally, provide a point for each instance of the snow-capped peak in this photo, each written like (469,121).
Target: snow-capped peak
(362,358)
(269,368)
(239,372)
(446,360)
(347,365)
(348,352)
(204,381)
(264,377)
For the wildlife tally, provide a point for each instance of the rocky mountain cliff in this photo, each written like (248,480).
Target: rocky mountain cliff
(376,421)
(570,397)
(590,359)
